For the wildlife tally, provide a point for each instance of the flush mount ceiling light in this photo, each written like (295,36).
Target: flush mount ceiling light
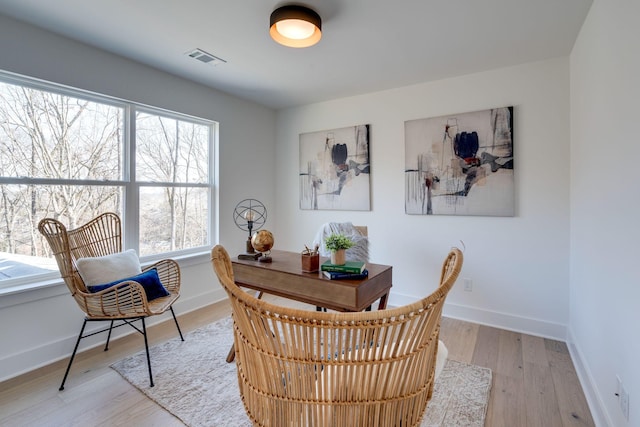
(295,26)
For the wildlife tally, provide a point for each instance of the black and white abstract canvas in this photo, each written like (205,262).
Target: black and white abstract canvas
(334,169)
(460,164)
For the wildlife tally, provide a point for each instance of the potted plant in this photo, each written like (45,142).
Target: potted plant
(338,244)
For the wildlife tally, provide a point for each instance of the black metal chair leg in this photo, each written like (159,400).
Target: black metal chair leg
(176,320)
(106,346)
(146,346)
(73,355)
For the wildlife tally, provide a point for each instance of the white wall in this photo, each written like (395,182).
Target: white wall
(605,207)
(41,326)
(519,265)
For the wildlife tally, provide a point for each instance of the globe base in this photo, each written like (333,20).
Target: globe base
(253,256)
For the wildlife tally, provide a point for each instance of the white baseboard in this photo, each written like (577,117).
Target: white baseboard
(537,327)
(36,357)
(511,322)
(597,407)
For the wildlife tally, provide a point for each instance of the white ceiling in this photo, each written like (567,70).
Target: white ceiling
(366,46)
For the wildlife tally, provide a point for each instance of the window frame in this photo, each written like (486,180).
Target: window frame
(130,187)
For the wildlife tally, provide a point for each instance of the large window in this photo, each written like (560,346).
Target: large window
(71,155)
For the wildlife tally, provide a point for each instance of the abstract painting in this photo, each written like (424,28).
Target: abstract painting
(334,169)
(461,164)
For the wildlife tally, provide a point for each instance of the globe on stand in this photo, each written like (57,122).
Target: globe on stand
(262,241)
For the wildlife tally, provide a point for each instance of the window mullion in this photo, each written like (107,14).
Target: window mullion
(132,190)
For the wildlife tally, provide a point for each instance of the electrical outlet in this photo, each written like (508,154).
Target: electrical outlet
(468,284)
(624,401)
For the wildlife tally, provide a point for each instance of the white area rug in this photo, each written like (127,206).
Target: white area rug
(195,383)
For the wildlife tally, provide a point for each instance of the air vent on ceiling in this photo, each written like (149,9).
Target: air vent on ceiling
(205,57)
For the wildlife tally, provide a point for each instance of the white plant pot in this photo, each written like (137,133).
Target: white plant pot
(338,257)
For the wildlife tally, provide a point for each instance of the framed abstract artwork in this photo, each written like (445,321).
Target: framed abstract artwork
(460,164)
(334,169)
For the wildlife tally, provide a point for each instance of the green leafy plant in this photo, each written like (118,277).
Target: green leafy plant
(337,241)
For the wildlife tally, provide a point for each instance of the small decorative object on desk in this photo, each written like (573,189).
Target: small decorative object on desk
(347,267)
(336,275)
(250,214)
(337,244)
(310,259)
(262,241)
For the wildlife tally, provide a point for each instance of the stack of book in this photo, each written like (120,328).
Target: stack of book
(351,270)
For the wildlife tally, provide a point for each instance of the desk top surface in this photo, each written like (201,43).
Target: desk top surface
(284,277)
(290,262)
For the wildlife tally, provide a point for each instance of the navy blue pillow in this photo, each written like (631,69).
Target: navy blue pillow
(149,281)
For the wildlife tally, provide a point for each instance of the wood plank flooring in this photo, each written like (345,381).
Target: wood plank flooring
(534,380)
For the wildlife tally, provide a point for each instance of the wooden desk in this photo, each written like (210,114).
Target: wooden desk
(284,277)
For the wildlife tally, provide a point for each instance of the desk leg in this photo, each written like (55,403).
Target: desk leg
(232,351)
(232,354)
(383,302)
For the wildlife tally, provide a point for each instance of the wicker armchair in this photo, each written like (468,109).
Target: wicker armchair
(308,368)
(126,301)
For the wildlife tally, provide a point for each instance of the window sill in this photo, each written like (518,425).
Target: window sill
(30,292)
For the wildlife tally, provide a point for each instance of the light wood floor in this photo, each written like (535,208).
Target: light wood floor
(534,380)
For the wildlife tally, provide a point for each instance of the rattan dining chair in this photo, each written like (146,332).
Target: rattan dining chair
(307,368)
(125,302)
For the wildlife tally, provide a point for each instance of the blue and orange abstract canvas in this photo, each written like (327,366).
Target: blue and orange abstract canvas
(460,164)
